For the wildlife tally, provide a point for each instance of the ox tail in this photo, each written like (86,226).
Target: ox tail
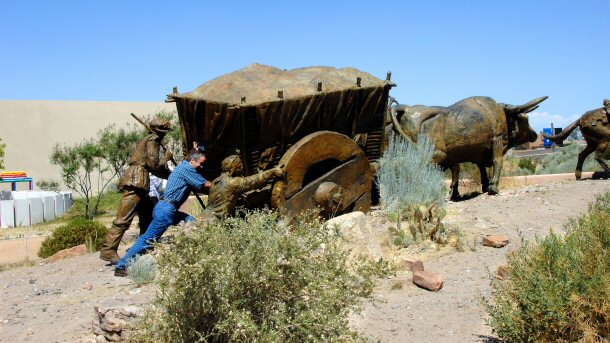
(560,137)
(395,122)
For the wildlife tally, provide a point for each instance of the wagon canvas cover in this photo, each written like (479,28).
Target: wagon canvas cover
(262,110)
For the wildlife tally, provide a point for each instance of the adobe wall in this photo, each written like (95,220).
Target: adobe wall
(30,128)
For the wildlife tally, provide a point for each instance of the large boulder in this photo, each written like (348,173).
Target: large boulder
(358,233)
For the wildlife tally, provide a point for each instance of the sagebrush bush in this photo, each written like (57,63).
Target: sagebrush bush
(565,161)
(142,270)
(412,187)
(76,232)
(407,177)
(558,288)
(258,279)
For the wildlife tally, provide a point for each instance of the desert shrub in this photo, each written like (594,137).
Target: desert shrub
(565,161)
(412,187)
(142,270)
(48,185)
(258,279)
(76,232)
(558,288)
(527,164)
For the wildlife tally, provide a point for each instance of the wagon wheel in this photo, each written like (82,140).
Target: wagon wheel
(327,170)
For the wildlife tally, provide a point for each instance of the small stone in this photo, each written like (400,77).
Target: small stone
(496,241)
(502,272)
(88,286)
(428,280)
(413,264)
(100,339)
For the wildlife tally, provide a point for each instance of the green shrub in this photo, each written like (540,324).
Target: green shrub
(406,176)
(565,161)
(412,187)
(48,185)
(76,232)
(257,279)
(142,270)
(558,288)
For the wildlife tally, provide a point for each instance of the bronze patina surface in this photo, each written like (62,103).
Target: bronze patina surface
(262,111)
(595,128)
(135,185)
(477,130)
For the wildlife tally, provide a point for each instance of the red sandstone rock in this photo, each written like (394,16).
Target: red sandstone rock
(496,241)
(428,280)
(71,252)
(413,264)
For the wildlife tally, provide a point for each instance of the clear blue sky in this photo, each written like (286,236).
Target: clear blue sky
(438,51)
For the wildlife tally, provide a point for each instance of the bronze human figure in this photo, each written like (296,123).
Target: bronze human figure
(595,128)
(477,130)
(227,188)
(135,185)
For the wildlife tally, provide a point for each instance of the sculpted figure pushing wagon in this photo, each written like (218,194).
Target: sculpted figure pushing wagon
(135,185)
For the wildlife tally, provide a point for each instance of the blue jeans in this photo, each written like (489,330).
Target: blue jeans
(164,215)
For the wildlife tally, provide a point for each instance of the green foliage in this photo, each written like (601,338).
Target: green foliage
(407,177)
(2,146)
(142,270)
(558,288)
(48,185)
(565,161)
(258,279)
(108,204)
(527,164)
(117,145)
(100,159)
(413,187)
(76,232)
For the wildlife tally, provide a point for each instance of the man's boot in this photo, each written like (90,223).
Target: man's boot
(108,252)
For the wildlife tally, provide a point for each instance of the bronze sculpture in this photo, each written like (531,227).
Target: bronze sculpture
(135,184)
(595,128)
(476,129)
(230,185)
(324,125)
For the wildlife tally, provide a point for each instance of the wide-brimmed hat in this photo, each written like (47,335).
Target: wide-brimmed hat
(160,125)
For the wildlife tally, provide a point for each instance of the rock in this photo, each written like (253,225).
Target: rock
(496,241)
(66,253)
(88,286)
(413,264)
(113,319)
(100,339)
(355,228)
(502,272)
(428,280)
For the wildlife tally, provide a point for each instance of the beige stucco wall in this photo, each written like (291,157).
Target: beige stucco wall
(30,128)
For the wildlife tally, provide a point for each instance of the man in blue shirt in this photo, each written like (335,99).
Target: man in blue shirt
(183,179)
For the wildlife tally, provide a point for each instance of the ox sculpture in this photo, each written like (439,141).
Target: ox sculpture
(477,130)
(595,128)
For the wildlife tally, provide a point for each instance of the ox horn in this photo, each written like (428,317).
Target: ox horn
(532,105)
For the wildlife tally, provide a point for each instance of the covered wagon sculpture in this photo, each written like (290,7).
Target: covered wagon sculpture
(323,125)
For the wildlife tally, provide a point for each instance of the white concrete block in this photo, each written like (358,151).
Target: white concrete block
(22,212)
(49,208)
(68,201)
(36,210)
(19,194)
(7,214)
(59,205)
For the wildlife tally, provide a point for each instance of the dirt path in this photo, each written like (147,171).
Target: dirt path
(455,313)
(54,302)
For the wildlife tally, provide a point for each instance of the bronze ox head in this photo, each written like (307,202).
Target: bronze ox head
(518,122)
